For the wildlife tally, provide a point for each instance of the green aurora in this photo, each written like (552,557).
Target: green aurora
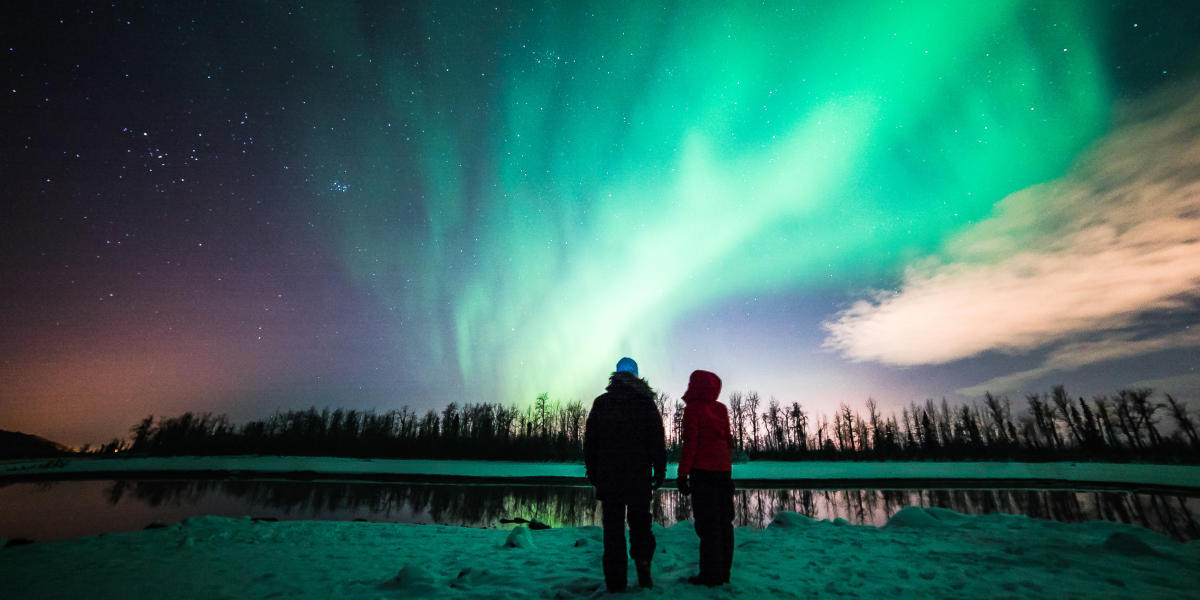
(588,174)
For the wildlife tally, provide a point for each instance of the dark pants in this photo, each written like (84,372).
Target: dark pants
(641,541)
(712,507)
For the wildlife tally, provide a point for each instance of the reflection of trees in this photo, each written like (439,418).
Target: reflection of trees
(485,505)
(1172,515)
(479,505)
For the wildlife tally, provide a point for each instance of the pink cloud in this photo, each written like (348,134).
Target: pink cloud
(1115,239)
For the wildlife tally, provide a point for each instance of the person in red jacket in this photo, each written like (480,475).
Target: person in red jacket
(705,471)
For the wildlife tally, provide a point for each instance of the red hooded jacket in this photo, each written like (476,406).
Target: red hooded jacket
(707,441)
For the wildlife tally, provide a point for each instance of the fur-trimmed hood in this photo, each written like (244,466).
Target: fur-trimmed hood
(624,382)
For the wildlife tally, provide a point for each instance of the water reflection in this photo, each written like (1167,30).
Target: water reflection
(463,505)
(486,505)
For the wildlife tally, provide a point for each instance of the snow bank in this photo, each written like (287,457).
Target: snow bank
(921,553)
(925,517)
(799,473)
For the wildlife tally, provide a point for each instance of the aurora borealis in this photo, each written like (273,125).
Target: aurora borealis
(249,206)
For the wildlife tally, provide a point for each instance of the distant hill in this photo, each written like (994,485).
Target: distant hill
(14,444)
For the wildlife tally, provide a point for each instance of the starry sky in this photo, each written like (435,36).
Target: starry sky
(243,207)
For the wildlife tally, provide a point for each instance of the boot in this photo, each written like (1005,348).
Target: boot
(643,573)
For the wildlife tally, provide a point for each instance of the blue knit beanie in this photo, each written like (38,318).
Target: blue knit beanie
(627,365)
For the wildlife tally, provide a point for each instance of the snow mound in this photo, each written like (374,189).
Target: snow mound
(946,515)
(519,538)
(414,580)
(471,577)
(1128,544)
(786,518)
(926,518)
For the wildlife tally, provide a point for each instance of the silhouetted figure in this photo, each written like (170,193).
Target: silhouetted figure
(705,471)
(626,460)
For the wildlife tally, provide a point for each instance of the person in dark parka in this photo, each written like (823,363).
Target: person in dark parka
(705,471)
(626,460)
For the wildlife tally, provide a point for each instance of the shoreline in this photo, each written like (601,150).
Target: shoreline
(1179,479)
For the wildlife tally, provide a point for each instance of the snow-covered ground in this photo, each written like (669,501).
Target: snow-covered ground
(920,553)
(1132,474)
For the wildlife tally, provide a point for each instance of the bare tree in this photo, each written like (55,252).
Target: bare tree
(1106,425)
(752,401)
(661,399)
(1144,410)
(776,429)
(1059,396)
(799,425)
(847,436)
(874,420)
(1043,418)
(999,411)
(574,415)
(1127,421)
(737,410)
(1187,427)
(862,433)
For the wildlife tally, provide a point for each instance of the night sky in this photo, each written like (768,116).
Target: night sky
(243,207)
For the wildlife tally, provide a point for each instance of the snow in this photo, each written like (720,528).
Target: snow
(920,553)
(1128,474)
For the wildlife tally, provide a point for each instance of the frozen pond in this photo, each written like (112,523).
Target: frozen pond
(56,510)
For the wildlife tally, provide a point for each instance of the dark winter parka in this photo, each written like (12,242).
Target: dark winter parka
(623,446)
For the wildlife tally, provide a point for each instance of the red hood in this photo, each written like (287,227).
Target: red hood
(703,386)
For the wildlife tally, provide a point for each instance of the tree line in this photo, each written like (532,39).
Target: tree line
(546,430)
(1131,425)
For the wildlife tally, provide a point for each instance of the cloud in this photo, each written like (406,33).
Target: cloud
(1077,354)
(1183,387)
(1095,253)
